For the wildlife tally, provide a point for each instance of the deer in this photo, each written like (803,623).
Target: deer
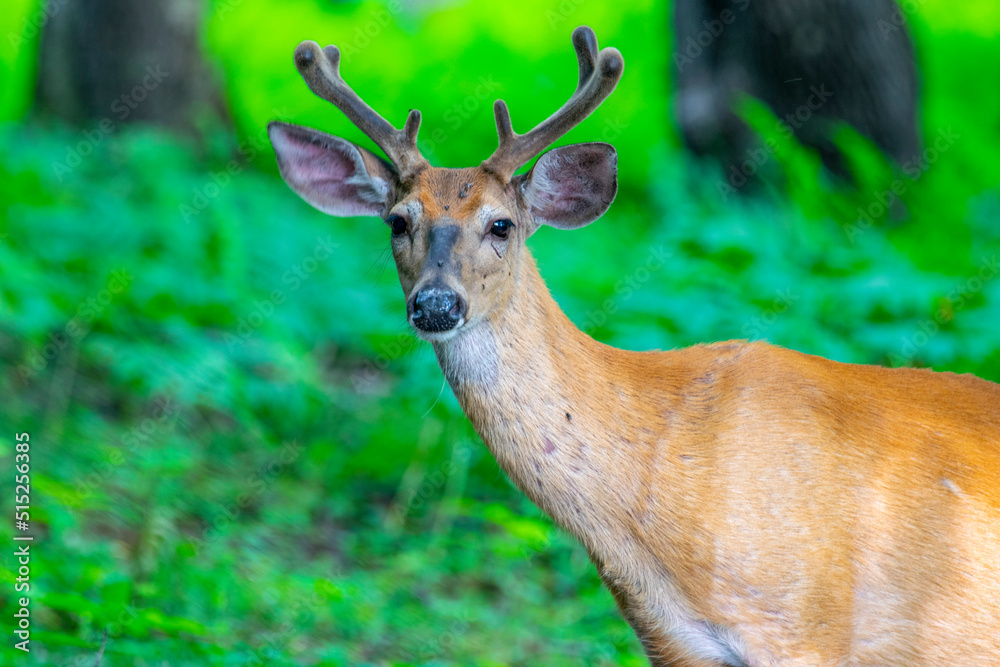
(745,504)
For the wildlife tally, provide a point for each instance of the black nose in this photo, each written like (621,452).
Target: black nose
(437,309)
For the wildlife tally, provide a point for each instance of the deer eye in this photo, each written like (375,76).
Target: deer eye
(501,228)
(397,223)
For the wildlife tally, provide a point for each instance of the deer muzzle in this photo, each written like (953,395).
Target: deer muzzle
(436,308)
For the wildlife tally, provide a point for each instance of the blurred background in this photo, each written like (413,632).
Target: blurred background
(240,453)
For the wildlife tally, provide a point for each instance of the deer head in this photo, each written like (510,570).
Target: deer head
(458,235)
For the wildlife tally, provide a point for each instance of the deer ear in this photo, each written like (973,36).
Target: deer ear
(571,186)
(330,173)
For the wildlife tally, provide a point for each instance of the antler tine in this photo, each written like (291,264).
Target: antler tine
(321,70)
(599,74)
(585,43)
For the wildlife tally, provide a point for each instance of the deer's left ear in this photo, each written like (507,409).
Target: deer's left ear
(571,186)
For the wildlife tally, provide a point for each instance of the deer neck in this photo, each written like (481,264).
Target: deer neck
(545,398)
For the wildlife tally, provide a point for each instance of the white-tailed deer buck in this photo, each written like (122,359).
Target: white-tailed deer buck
(746,504)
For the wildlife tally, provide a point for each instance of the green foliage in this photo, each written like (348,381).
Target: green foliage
(240,453)
(924,205)
(20,28)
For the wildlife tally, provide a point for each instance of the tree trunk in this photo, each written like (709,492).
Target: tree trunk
(126,61)
(812,61)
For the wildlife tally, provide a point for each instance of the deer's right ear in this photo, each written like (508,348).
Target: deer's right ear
(330,173)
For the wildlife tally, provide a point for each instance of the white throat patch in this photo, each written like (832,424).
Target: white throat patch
(470,358)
